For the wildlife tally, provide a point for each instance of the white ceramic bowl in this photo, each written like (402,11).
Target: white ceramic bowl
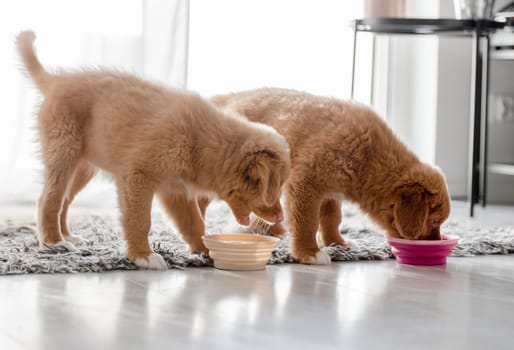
(240,251)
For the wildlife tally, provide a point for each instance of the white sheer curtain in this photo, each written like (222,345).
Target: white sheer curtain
(146,37)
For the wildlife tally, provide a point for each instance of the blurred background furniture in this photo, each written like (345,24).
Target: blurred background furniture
(500,164)
(479,30)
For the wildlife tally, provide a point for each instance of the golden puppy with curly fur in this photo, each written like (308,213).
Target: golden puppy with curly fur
(343,150)
(151,139)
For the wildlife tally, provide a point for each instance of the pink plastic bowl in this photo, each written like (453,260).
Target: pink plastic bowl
(423,252)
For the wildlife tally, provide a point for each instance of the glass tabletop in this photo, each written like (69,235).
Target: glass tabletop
(425,25)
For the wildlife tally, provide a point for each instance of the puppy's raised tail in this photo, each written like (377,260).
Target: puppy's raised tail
(25,43)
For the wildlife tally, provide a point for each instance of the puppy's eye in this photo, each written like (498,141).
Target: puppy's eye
(434,222)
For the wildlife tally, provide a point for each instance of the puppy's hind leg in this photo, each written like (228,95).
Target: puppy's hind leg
(135,193)
(81,177)
(187,214)
(49,207)
(60,154)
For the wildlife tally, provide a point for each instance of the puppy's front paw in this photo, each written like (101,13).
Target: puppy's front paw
(321,258)
(62,245)
(153,262)
(277,230)
(74,239)
(351,244)
(198,248)
(338,242)
(314,258)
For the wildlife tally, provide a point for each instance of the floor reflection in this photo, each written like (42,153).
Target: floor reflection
(286,305)
(19,301)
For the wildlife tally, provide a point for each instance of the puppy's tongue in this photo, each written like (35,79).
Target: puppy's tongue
(244,220)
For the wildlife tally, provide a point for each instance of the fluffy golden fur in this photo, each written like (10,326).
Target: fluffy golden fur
(151,139)
(343,150)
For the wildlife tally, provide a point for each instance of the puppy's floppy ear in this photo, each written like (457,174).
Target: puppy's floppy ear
(411,210)
(261,173)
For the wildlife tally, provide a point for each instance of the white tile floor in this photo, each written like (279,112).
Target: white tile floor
(467,304)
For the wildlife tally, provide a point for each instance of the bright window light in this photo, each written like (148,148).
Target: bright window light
(300,44)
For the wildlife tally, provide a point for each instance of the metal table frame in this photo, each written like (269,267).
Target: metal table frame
(479,30)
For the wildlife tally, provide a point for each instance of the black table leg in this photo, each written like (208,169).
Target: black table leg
(485,120)
(475,115)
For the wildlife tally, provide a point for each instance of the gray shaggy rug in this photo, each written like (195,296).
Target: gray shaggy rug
(19,253)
